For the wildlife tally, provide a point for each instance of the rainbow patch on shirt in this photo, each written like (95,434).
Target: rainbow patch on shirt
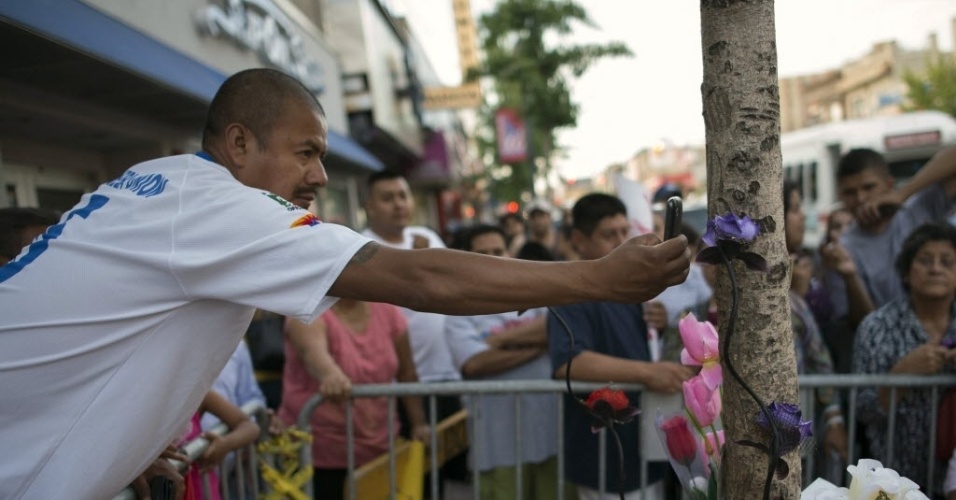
(306,220)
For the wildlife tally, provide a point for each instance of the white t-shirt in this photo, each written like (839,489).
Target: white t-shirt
(492,416)
(426,331)
(679,299)
(115,322)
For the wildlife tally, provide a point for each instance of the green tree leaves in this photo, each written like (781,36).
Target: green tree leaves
(531,68)
(936,89)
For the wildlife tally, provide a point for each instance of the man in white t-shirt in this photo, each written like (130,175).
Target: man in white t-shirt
(389,206)
(115,322)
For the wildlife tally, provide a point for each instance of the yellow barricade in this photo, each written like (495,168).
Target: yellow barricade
(287,479)
(371,479)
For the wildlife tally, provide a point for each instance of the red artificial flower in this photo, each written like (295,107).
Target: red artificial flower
(609,405)
(617,400)
(681,443)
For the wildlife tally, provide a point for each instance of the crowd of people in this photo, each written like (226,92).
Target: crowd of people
(877,297)
(156,276)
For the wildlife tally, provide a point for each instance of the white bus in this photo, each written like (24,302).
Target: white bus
(811,155)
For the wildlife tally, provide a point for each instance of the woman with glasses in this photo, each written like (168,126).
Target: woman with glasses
(914,335)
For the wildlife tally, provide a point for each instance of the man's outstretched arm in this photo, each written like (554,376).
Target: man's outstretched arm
(465,283)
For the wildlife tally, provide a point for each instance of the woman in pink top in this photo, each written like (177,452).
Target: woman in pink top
(352,343)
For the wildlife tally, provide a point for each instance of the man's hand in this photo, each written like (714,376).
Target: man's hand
(880,208)
(334,385)
(161,467)
(667,377)
(837,257)
(643,267)
(496,341)
(655,315)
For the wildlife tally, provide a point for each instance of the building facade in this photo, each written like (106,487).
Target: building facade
(92,87)
(869,86)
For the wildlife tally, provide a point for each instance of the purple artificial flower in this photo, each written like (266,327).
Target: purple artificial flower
(728,236)
(948,342)
(793,431)
(730,227)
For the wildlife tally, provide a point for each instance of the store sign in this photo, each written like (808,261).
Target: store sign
(511,134)
(260,26)
(466,96)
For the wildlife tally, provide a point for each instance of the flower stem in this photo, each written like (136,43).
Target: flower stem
(607,423)
(735,294)
(693,492)
(693,419)
(620,460)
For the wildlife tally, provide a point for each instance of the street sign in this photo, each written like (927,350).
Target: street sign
(464,96)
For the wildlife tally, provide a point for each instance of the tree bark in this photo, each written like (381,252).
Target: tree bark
(744,176)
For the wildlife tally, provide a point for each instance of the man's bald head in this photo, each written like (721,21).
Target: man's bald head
(257,99)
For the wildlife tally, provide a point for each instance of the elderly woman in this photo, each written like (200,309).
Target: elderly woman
(908,336)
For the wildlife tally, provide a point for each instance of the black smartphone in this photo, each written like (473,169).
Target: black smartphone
(672,217)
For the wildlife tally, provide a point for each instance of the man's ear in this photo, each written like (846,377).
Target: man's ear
(577,239)
(238,141)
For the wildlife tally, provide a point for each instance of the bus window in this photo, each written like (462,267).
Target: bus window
(811,192)
(798,178)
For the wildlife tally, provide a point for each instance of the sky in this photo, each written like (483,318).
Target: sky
(628,104)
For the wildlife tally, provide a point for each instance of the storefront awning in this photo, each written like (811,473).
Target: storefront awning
(82,28)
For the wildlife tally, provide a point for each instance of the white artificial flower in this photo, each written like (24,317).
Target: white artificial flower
(834,494)
(698,483)
(821,489)
(870,479)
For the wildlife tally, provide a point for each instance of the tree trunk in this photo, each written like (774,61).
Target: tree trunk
(744,176)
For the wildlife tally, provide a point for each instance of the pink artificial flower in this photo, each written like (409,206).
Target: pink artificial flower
(702,401)
(701,349)
(710,449)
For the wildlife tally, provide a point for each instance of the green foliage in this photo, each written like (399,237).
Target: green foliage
(936,89)
(532,76)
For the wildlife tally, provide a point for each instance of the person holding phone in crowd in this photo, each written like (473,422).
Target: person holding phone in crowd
(156,274)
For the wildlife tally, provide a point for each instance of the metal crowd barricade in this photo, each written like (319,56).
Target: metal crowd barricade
(473,390)
(853,383)
(246,483)
(477,389)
